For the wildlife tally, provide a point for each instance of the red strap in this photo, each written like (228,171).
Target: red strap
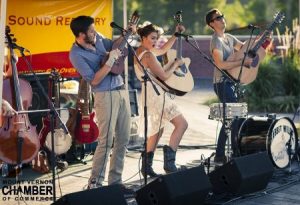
(266,44)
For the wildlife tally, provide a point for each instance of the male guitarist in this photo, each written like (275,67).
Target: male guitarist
(222,45)
(111,99)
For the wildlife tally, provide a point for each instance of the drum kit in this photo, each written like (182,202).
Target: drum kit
(276,135)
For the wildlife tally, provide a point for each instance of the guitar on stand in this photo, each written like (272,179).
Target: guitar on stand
(81,124)
(62,141)
(87,130)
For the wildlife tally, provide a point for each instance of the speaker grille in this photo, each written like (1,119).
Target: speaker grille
(243,175)
(190,186)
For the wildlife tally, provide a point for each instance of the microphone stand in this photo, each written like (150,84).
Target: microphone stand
(53,115)
(227,77)
(209,60)
(146,78)
(238,84)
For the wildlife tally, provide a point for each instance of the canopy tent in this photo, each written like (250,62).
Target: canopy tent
(43,28)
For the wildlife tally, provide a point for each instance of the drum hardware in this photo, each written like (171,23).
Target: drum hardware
(232,110)
(277,136)
(227,129)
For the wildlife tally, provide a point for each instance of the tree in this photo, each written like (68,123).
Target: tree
(238,12)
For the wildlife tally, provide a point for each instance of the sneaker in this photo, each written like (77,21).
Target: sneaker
(93,184)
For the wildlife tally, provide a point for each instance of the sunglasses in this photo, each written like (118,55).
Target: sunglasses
(218,18)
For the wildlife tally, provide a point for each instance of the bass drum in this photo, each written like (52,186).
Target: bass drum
(276,136)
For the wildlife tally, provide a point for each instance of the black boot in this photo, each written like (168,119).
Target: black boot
(149,169)
(169,159)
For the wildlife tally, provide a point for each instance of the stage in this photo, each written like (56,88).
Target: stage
(197,144)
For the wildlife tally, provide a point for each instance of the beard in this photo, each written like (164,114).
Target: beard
(89,40)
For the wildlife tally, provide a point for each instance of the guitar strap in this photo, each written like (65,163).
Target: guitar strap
(140,58)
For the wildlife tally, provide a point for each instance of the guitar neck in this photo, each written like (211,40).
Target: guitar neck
(124,41)
(263,37)
(84,95)
(179,48)
(260,41)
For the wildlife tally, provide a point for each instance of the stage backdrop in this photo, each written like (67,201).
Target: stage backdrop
(43,27)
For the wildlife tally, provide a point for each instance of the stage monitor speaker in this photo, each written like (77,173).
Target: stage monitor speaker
(243,175)
(39,102)
(107,195)
(190,187)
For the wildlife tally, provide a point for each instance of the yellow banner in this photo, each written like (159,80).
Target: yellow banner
(43,27)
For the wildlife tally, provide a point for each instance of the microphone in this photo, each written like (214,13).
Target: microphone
(114,25)
(182,35)
(251,26)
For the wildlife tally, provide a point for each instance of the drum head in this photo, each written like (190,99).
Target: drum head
(283,142)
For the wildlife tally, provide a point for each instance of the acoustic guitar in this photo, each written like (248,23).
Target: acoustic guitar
(256,52)
(119,66)
(62,141)
(181,81)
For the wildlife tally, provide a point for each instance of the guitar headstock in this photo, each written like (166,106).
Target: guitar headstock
(278,17)
(134,18)
(178,17)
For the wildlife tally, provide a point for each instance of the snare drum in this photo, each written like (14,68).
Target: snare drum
(233,110)
(276,136)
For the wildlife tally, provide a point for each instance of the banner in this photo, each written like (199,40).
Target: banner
(43,27)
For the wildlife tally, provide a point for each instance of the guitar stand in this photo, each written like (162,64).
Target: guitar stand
(71,156)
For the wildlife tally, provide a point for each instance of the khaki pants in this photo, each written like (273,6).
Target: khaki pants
(113,115)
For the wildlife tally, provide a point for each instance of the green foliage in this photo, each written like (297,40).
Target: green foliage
(276,88)
(211,101)
(238,12)
(291,76)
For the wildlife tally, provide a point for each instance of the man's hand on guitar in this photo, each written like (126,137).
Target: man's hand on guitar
(113,56)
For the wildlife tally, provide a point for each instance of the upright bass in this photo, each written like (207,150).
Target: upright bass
(19,141)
